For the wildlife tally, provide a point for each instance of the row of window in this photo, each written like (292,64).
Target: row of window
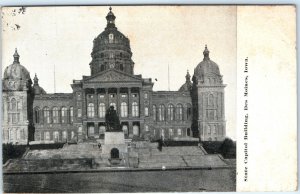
(56,115)
(56,136)
(13,118)
(123,109)
(112,95)
(159,113)
(14,134)
(214,129)
(168,133)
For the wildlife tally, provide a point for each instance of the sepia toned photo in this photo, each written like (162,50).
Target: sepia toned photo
(126,99)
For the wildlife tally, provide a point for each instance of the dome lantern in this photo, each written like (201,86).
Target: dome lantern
(110,19)
(206,53)
(16,56)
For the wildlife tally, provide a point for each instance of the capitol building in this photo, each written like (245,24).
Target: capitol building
(196,110)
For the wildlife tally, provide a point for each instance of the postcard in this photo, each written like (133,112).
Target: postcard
(164,98)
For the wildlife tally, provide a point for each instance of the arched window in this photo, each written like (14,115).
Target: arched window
(71,114)
(55,113)
(111,38)
(101,110)
(114,105)
(179,112)
(189,111)
(154,112)
(135,109)
(37,115)
(64,115)
(121,67)
(161,112)
(171,132)
(124,109)
(146,111)
(90,110)
(13,104)
(46,114)
(171,112)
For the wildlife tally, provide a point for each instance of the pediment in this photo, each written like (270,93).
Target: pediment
(113,75)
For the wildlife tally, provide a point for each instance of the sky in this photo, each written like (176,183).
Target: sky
(160,36)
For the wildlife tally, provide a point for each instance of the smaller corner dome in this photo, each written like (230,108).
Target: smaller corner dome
(187,85)
(16,71)
(207,67)
(37,89)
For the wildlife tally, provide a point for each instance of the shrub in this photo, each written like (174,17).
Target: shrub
(10,151)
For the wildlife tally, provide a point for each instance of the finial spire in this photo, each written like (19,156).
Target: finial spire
(206,53)
(16,56)
(110,8)
(188,76)
(36,80)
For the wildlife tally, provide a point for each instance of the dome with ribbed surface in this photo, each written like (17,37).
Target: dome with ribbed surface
(207,71)
(16,76)
(111,49)
(16,70)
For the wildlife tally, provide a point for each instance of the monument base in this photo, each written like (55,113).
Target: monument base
(114,140)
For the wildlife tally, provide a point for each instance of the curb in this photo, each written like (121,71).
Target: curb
(120,170)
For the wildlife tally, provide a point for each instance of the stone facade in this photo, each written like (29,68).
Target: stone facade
(195,110)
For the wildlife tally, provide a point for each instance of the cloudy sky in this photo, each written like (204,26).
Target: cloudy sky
(159,36)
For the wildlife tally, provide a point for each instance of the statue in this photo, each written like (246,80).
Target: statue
(112,120)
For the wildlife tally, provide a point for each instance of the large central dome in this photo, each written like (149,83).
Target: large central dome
(111,49)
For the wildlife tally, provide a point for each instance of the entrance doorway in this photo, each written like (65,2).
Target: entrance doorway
(91,130)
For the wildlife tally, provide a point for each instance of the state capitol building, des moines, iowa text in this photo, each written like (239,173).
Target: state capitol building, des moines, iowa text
(196,110)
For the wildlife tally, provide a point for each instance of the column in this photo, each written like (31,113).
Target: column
(96,126)
(84,130)
(106,99)
(142,129)
(129,105)
(130,131)
(83,111)
(95,103)
(118,102)
(141,103)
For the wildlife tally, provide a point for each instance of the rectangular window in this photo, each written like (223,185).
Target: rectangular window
(123,95)
(78,94)
(146,111)
(101,96)
(79,113)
